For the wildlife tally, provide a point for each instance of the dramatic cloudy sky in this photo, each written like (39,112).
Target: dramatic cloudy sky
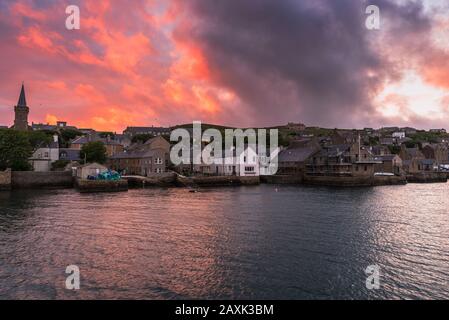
(232,62)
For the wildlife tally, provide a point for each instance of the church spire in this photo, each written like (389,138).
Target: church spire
(21,112)
(22,100)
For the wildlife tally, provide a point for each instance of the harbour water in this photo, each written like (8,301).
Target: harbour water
(262,242)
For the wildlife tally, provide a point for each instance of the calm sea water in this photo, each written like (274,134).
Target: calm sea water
(264,242)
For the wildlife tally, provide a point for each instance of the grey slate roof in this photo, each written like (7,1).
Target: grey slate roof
(427,162)
(22,100)
(414,152)
(387,157)
(134,155)
(69,154)
(145,130)
(335,150)
(296,154)
(84,140)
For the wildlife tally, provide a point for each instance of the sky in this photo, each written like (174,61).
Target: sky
(245,63)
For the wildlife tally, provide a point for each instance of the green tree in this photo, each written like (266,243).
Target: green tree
(106,134)
(67,135)
(15,150)
(39,138)
(373,141)
(59,164)
(94,152)
(394,149)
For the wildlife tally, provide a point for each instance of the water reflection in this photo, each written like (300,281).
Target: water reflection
(265,242)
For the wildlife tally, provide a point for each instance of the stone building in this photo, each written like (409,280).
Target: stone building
(411,159)
(437,152)
(147,159)
(90,170)
(292,161)
(154,131)
(390,163)
(21,111)
(349,160)
(113,147)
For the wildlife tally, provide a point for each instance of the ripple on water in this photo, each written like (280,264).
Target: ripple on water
(247,243)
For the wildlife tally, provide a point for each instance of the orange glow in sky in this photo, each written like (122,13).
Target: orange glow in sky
(138,64)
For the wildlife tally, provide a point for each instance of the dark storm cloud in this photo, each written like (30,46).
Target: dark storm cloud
(301,60)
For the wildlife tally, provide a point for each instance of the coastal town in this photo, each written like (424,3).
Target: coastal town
(61,154)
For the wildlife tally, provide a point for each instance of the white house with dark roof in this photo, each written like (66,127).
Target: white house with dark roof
(44,156)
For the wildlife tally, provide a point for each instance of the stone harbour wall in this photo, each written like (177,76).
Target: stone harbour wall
(90,186)
(5,180)
(354,181)
(31,179)
(221,181)
(282,179)
(428,177)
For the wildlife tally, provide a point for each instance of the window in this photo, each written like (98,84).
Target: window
(249,169)
(46,154)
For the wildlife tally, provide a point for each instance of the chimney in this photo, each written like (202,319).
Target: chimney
(55,138)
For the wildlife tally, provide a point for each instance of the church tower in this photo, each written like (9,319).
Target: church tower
(21,111)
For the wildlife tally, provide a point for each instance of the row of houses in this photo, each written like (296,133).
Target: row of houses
(144,159)
(48,153)
(307,156)
(318,157)
(343,153)
(153,157)
(116,147)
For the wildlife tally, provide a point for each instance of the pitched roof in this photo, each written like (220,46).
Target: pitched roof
(387,157)
(337,149)
(143,130)
(296,154)
(85,140)
(49,145)
(94,165)
(406,162)
(22,100)
(134,155)
(414,152)
(50,127)
(428,162)
(69,154)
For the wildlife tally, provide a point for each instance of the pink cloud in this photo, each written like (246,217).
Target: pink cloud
(139,63)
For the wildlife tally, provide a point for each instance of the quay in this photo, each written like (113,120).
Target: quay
(35,180)
(90,186)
